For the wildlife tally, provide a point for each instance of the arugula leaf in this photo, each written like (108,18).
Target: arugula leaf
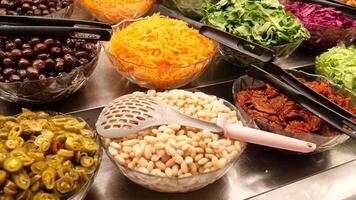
(261,21)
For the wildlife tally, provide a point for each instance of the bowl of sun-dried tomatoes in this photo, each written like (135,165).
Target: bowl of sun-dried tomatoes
(262,106)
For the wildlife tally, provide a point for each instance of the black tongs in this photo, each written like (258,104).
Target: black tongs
(308,98)
(48,27)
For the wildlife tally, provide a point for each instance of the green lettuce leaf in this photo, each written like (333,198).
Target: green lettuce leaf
(261,21)
(339,64)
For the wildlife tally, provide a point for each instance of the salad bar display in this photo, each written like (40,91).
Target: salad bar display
(205,104)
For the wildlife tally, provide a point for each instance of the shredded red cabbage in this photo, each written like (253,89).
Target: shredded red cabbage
(315,14)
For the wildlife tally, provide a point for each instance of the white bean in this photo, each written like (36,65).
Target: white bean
(184,167)
(160,165)
(168,171)
(113,151)
(148,152)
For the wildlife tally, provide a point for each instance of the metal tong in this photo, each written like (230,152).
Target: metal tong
(48,27)
(294,89)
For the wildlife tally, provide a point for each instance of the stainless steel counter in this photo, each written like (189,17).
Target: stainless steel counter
(260,172)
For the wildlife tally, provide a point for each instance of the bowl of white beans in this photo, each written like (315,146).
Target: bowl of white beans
(174,158)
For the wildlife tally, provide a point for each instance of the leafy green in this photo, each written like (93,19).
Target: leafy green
(339,64)
(261,21)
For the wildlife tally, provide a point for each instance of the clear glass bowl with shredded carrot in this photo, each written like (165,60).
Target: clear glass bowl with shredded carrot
(114,11)
(159,52)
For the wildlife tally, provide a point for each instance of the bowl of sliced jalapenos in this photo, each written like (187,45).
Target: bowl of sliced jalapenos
(45,156)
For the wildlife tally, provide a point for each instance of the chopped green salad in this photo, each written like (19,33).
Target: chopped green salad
(339,64)
(261,21)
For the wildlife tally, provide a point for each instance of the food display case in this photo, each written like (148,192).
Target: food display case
(259,173)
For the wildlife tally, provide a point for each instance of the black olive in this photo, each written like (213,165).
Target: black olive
(43,56)
(9,71)
(16,54)
(38,64)
(14,78)
(26,46)
(59,66)
(49,42)
(28,53)
(34,41)
(83,61)
(81,54)
(22,73)
(32,73)
(55,51)
(10,46)
(8,62)
(40,47)
(70,61)
(24,63)
(50,63)
(42,76)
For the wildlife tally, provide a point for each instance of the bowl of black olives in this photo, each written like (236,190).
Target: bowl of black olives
(36,70)
(47,8)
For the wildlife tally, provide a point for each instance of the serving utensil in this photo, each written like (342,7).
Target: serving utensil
(131,113)
(49,27)
(332,113)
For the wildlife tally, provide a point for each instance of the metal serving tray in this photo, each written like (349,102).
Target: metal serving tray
(260,173)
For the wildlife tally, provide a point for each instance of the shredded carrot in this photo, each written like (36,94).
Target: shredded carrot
(114,11)
(150,48)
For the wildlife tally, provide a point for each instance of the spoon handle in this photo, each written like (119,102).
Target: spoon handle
(264,138)
(256,136)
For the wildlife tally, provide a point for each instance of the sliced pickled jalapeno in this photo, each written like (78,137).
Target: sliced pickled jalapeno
(2,176)
(22,180)
(87,161)
(13,164)
(44,157)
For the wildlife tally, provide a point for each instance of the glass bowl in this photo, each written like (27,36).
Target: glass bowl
(190,8)
(49,89)
(325,37)
(83,191)
(172,184)
(163,77)
(241,60)
(63,13)
(114,12)
(323,143)
(81,194)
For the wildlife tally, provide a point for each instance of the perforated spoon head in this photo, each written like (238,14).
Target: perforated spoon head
(127,114)
(131,113)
